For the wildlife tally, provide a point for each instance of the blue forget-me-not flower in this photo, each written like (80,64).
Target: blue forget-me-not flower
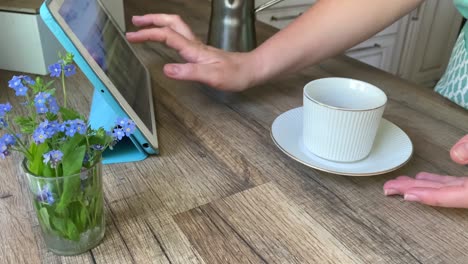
(55,69)
(69,70)
(46,196)
(6,141)
(128,127)
(45,103)
(53,157)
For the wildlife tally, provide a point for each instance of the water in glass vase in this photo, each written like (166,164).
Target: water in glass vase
(69,209)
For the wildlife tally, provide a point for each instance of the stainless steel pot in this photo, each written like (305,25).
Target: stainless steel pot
(232,24)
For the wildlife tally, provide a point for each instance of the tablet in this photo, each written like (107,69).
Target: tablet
(122,82)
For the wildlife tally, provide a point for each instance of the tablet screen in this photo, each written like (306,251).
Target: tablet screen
(107,46)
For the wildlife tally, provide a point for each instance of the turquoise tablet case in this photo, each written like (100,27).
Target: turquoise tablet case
(104,109)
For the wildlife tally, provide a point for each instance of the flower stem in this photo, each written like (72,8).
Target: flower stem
(88,215)
(64,88)
(31,107)
(58,183)
(26,150)
(19,150)
(98,192)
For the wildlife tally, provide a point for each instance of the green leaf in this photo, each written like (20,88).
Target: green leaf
(72,231)
(100,137)
(44,217)
(101,132)
(49,84)
(26,124)
(69,114)
(74,210)
(71,188)
(72,163)
(68,59)
(36,165)
(21,120)
(60,225)
(98,208)
(72,144)
(51,116)
(38,85)
(84,217)
(48,171)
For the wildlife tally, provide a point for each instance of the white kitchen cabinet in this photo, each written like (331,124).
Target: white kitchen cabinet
(382,50)
(27,45)
(417,47)
(283,13)
(379,51)
(281,17)
(286,3)
(431,32)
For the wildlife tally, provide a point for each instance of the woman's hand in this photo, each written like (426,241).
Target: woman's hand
(226,71)
(433,189)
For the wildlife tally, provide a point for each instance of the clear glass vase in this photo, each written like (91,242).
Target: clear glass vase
(70,209)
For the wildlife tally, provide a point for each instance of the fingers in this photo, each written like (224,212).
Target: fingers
(163,20)
(439,178)
(459,151)
(431,189)
(403,183)
(204,73)
(165,35)
(207,65)
(453,196)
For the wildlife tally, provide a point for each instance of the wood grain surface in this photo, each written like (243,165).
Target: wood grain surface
(222,192)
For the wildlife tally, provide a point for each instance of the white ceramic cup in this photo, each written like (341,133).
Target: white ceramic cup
(341,118)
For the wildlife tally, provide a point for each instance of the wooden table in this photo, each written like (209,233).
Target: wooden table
(222,192)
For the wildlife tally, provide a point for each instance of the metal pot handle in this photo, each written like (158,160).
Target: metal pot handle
(267,5)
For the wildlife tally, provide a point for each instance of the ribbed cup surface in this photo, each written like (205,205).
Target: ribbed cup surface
(339,134)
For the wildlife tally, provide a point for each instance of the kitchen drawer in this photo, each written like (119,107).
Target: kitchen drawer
(392,29)
(286,3)
(377,51)
(282,14)
(281,17)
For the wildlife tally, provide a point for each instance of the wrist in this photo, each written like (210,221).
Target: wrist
(256,67)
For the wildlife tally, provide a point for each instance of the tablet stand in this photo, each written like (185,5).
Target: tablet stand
(104,109)
(103,115)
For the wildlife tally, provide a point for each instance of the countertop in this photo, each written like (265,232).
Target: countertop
(222,192)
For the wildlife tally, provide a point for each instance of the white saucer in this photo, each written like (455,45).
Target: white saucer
(392,148)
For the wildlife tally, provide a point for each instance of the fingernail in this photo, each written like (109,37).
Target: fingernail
(137,17)
(411,198)
(130,34)
(461,151)
(390,192)
(173,70)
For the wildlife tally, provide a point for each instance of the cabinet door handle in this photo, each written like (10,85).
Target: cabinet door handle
(416,13)
(275,18)
(267,5)
(375,46)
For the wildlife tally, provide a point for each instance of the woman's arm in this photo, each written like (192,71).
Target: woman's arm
(327,28)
